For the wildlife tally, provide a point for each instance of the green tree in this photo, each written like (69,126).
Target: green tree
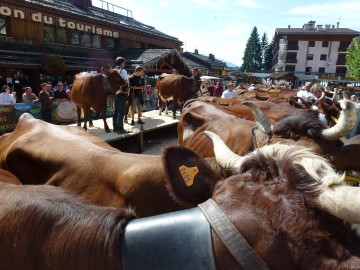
(268,56)
(252,55)
(353,59)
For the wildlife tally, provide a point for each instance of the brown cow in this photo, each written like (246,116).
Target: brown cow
(41,153)
(243,136)
(8,177)
(90,91)
(276,203)
(177,88)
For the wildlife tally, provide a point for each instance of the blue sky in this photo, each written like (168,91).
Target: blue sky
(222,27)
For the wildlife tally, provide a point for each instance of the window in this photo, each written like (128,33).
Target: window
(110,43)
(325,44)
(61,35)
(308,70)
(2,26)
(49,34)
(74,38)
(96,41)
(310,57)
(311,43)
(323,57)
(321,70)
(290,68)
(86,40)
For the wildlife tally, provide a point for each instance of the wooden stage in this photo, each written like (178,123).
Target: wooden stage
(152,120)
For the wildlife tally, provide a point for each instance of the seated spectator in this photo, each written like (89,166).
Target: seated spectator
(218,90)
(29,96)
(230,92)
(60,93)
(5,97)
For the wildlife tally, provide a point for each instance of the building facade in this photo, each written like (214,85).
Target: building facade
(312,51)
(40,38)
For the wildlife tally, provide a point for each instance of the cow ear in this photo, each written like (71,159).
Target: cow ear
(189,178)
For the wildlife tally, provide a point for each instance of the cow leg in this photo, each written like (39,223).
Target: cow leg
(160,104)
(86,117)
(78,109)
(90,118)
(106,127)
(128,104)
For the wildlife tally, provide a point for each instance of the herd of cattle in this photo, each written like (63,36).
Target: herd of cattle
(272,174)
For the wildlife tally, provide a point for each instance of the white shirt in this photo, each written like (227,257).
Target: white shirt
(6,99)
(123,73)
(229,94)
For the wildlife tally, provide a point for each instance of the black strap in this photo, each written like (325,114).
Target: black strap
(178,240)
(231,238)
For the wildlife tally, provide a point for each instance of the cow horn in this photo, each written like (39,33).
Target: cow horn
(335,95)
(261,121)
(345,123)
(342,202)
(226,158)
(322,97)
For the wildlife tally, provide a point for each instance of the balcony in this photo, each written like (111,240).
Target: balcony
(291,61)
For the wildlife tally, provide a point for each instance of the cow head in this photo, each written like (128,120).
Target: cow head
(276,201)
(345,123)
(115,80)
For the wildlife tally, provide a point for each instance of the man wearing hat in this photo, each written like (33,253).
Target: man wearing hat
(137,87)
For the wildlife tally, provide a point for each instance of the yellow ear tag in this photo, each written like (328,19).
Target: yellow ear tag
(188,174)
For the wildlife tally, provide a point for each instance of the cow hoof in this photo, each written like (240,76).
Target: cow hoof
(107,130)
(79,125)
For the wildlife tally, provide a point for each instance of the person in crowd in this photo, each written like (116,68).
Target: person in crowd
(230,92)
(137,88)
(196,83)
(14,96)
(210,88)
(148,95)
(218,90)
(66,86)
(317,90)
(5,97)
(60,93)
(155,99)
(345,95)
(68,92)
(46,99)
(353,98)
(120,101)
(29,96)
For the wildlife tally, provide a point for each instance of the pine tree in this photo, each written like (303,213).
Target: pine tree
(353,59)
(252,54)
(268,56)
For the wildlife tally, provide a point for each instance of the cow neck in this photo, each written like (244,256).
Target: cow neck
(231,237)
(106,84)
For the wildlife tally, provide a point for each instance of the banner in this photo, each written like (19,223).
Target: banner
(62,113)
